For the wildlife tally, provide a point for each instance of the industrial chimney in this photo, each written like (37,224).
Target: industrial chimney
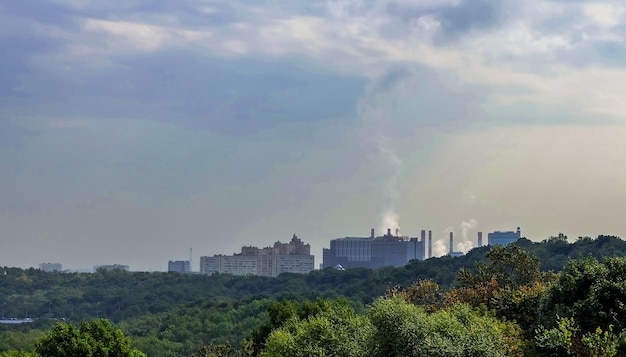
(423,236)
(372,235)
(430,244)
(480,239)
(451,242)
(388,232)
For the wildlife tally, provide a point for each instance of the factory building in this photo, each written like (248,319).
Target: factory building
(503,238)
(179,266)
(373,252)
(111,267)
(50,267)
(292,257)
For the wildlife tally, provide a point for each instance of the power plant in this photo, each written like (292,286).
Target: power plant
(396,250)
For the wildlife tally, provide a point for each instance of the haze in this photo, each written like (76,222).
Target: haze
(133,130)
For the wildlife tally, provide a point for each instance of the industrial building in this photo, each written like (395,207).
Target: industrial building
(179,266)
(50,267)
(111,267)
(292,257)
(373,252)
(503,238)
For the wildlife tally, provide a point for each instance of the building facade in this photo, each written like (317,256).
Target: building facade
(292,257)
(111,267)
(372,252)
(503,238)
(179,266)
(50,267)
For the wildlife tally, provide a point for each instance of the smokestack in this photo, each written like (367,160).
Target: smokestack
(423,236)
(373,234)
(451,242)
(388,232)
(430,244)
(480,239)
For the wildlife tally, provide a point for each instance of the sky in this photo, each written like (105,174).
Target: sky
(132,131)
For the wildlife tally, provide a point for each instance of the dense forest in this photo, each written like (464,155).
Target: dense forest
(549,298)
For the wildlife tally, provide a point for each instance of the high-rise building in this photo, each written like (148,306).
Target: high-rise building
(50,267)
(503,238)
(292,257)
(372,252)
(179,266)
(111,267)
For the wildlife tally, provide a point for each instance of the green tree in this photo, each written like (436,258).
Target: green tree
(96,338)
(335,330)
(590,292)
(510,266)
(403,329)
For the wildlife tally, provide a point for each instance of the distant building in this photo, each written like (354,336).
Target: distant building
(373,252)
(50,267)
(110,267)
(179,266)
(503,238)
(292,257)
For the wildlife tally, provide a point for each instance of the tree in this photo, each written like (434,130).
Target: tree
(333,330)
(403,329)
(591,297)
(423,293)
(96,338)
(510,266)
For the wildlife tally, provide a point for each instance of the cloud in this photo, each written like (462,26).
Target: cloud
(258,114)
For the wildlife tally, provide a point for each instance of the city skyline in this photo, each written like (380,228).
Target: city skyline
(131,130)
(432,248)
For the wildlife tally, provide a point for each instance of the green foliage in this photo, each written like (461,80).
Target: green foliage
(14,353)
(402,329)
(223,350)
(566,340)
(287,314)
(510,266)
(97,338)
(333,330)
(590,292)
(174,314)
(557,341)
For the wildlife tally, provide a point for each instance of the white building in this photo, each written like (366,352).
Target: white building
(292,257)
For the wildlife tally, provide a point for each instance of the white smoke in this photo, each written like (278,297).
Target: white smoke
(466,245)
(466,226)
(439,248)
(389,218)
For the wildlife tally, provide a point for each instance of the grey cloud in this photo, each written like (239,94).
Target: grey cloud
(455,19)
(235,96)
(468,15)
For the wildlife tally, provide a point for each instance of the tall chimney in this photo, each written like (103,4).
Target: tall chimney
(480,239)
(373,234)
(388,232)
(423,235)
(430,244)
(451,242)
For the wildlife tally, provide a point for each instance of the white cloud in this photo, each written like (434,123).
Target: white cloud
(604,14)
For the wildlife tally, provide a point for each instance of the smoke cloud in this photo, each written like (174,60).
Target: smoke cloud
(466,245)
(440,248)
(389,217)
